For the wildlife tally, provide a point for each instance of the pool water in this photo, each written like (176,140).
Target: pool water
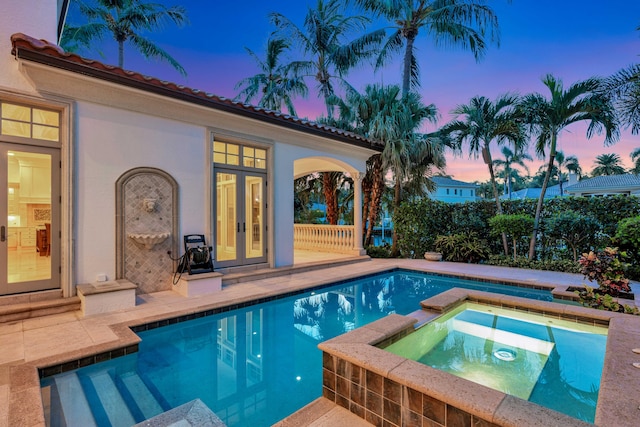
(252,366)
(552,362)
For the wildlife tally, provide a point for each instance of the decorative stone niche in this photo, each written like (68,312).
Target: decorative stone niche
(146,228)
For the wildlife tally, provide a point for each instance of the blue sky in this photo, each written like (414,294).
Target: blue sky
(571,39)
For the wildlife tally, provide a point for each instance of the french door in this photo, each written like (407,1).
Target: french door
(29,218)
(240,217)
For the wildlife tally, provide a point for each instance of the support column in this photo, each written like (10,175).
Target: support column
(357,212)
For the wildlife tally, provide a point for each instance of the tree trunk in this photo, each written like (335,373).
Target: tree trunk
(330,199)
(376,196)
(395,252)
(547,176)
(406,65)
(486,155)
(121,54)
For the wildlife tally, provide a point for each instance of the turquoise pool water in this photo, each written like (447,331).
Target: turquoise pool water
(252,366)
(552,362)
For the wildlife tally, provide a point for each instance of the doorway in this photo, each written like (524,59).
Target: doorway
(240,217)
(29,218)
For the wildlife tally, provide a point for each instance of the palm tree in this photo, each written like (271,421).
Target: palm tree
(382,113)
(570,163)
(126,21)
(484,122)
(548,117)
(276,83)
(624,88)
(457,23)
(608,164)
(323,39)
(635,158)
(510,159)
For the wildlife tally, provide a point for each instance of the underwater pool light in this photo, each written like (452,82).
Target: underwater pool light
(505,354)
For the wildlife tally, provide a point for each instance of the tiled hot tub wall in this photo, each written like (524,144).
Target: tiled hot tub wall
(388,390)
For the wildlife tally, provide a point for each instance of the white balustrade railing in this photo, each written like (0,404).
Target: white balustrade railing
(325,238)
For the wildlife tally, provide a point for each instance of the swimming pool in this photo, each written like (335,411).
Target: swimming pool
(536,358)
(252,366)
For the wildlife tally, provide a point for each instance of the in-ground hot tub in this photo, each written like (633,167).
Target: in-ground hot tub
(553,362)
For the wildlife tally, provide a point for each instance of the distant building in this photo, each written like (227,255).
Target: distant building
(534,193)
(453,191)
(606,185)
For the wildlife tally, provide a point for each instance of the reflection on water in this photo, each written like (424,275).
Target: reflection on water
(251,366)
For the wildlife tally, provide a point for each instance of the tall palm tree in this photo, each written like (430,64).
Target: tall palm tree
(482,123)
(382,113)
(635,158)
(126,21)
(277,83)
(608,164)
(570,163)
(459,23)
(322,39)
(510,159)
(582,101)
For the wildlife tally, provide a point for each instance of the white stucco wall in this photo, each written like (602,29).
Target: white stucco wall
(110,142)
(36,18)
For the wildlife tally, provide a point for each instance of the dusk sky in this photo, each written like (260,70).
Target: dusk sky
(571,39)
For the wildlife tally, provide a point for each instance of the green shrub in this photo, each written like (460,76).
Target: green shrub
(523,262)
(516,226)
(383,251)
(462,248)
(576,230)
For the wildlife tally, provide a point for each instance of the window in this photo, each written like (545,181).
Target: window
(230,154)
(455,191)
(29,122)
(447,191)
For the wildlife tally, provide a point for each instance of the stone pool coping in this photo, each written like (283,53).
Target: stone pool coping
(357,373)
(20,398)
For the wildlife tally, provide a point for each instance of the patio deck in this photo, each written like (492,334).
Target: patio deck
(55,339)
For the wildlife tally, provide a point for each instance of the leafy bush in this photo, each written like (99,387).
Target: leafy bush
(575,229)
(462,248)
(383,251)
(515,226)
(606,268)
(419,223)
(523,262)
(590,298)
(628,239)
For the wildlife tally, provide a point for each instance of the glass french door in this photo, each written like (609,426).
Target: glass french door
(240,218)
(29,218)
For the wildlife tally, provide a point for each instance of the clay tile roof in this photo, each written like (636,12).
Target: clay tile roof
(44,52)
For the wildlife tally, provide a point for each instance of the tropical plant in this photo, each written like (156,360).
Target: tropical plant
(582,101)
(635,158)
(570,163)
(458,23)
(277,83)
(574,229)
(514,225)
(322,39)
(482,123)
(510,159)
(624,89)
(126,21)
(606,268)
(608,164)
(465,247)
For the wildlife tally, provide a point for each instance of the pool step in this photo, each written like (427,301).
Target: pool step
(73,402)
(112,402)
(140,394)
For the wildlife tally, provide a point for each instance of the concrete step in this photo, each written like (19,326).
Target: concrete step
(16,309)
(111,400)
(74,404)
(230,278)
(142,396)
